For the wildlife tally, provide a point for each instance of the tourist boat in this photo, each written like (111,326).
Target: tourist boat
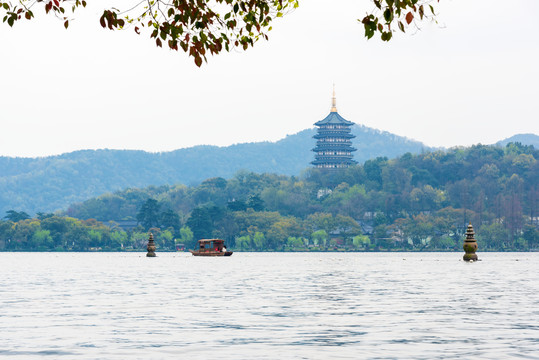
(211,247)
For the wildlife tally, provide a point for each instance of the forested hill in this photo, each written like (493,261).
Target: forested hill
(49,183)
(412,202)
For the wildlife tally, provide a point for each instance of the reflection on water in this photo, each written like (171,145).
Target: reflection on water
(269,306)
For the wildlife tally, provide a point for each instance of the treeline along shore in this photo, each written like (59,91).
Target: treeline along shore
(411,203)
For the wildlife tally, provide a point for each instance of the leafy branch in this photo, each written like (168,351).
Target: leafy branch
(202,27)
(389,14)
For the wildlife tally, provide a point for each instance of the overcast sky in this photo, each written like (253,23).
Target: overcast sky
(472,78)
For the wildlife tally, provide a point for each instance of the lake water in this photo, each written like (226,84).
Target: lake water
(269,306)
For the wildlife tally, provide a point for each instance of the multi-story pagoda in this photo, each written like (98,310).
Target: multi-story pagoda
(333,141)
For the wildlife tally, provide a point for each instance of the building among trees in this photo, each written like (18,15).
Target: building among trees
(333,141)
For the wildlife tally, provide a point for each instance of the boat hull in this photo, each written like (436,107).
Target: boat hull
(210,253)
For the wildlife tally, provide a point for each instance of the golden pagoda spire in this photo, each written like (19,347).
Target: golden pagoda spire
(334,101)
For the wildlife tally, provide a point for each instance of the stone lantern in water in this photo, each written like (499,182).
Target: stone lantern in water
(470,245)
(151,247)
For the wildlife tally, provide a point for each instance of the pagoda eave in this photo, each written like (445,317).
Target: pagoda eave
(333,148)
(333,119)
(333,161)
(323,135)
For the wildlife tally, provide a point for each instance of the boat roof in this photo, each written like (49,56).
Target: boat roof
(210,240)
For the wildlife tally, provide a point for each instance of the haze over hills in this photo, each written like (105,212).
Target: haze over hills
(51,183)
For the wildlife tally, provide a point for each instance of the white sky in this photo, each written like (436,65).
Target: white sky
(473,78)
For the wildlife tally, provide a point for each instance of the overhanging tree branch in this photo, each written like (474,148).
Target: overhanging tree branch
(198,28)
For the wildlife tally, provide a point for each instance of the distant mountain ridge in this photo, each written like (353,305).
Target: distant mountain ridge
(524,139)
(46,184)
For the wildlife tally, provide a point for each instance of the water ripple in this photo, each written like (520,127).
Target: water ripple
(269,306)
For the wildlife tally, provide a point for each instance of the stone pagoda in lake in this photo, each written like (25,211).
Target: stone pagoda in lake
(333,141)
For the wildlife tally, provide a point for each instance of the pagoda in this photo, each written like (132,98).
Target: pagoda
(333,141)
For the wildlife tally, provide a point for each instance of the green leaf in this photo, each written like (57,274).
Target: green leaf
(388,15)
(386,36)
(369,30)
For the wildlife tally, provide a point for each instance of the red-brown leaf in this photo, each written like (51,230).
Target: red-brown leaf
(409,17)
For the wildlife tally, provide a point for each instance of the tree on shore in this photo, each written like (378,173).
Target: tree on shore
(148,214)
(205,27)
(16,216)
